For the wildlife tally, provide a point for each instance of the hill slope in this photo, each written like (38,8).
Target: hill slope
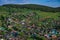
(42,11)
(34,7)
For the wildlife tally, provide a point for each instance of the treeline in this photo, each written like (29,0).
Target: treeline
(34,7)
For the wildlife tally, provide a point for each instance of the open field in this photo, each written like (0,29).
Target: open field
(29,24)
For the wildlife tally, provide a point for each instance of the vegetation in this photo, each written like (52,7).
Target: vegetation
(29,19)
(35,7)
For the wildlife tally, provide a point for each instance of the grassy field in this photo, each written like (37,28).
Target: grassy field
(21,18)
(5,11)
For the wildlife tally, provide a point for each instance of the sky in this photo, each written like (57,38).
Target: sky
(51,3)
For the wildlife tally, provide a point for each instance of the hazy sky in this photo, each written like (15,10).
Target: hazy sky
(52,3)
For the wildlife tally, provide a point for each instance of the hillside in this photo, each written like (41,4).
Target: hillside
(25,9)
(29,22)
(34,7)
(22,11)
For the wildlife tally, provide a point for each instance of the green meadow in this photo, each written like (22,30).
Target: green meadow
(27,20)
